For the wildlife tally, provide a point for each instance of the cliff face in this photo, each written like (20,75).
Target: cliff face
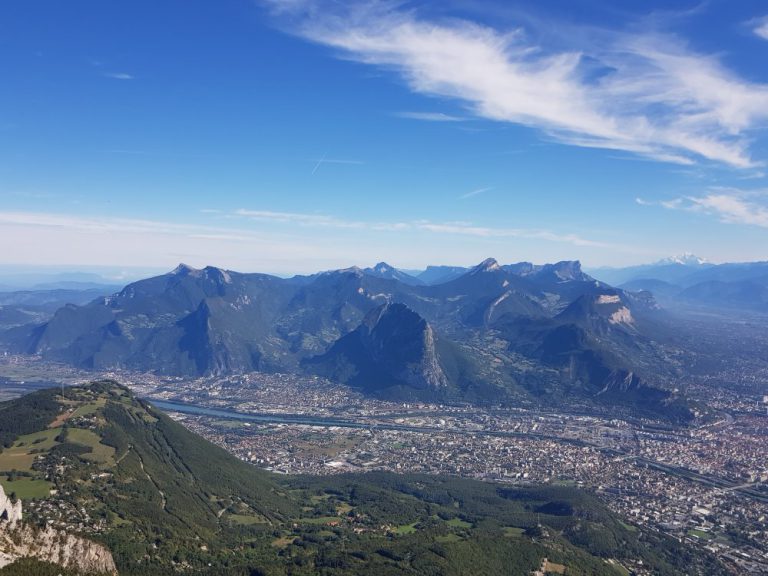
(51,545)
(10,512)
(402,342)
(19,540)
(392,347)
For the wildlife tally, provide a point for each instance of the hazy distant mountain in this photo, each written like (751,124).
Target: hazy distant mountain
(15,281)
(16,316)
(742,294)
(57,297)
(659,288)
(77,286)
(672,270)
(372,328)
(691,281)
(729,272)
(36,306)
(440,274)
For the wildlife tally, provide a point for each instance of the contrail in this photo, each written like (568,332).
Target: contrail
(322,159)
(475,192)
(325,160)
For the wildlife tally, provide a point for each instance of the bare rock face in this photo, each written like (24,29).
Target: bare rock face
(393,346)
(10,512)
(58,547)
(19,540)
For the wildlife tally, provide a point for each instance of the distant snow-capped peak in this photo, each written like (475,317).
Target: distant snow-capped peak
(685,259)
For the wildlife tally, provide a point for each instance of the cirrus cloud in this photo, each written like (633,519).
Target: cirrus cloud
(731,206)
(449,228)
(760,27)
(648,94)
(119,75)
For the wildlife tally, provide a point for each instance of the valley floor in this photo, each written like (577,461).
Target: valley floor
(704,484)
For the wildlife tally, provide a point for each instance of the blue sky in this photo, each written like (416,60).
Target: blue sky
(297,135)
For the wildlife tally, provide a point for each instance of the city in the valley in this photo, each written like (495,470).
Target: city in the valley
(704,484)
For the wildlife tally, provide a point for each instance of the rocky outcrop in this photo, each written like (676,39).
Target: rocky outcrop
(19,540)
(10,512)
(55,546)
(393,346)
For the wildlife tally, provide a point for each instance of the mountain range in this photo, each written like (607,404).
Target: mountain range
(670,269)
(19,307)
(688,280)
(496,333)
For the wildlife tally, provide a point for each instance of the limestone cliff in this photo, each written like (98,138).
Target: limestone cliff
(10,512)
(19,540)
(392,347)
(56,546)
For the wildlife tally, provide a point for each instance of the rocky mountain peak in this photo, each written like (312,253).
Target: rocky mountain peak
(356,270)
(565,271)
(217,275)
(392,310)
(522,268)
(487,265)
(393,346)
(384,270)
(568,270)
(183,270)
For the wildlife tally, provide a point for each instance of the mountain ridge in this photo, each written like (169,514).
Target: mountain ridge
(210,321)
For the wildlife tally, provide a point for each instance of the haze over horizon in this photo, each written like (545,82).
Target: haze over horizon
(25,277)
(303,135)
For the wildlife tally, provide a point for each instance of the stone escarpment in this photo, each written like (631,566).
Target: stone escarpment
(393,347)
(19,540)
(10,511)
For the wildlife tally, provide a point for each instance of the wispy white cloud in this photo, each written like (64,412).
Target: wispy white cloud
(760,27)
(475,192)
(29,194)
(119,75)
(66,239)
(648,94)
(731,209)
(86,224)
(452,228)
(487,232)
(672,204)
(731,206)
(298,218)
(430,116)
(319,220)
(242,240)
